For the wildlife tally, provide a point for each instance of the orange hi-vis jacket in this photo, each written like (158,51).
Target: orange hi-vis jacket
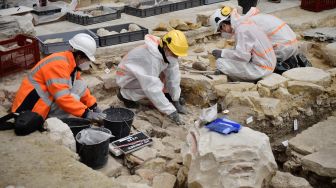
(49,81)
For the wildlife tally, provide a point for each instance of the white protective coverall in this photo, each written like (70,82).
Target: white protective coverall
(138,76)
(253,56)
(280,34)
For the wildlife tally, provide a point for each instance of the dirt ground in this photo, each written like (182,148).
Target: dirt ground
(58,167)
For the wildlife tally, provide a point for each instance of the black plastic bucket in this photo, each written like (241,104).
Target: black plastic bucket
(77,124)
(118,121)
(95,155)
(247,4)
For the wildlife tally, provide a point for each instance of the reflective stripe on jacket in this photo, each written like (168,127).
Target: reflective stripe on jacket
(50,80)
(280,34)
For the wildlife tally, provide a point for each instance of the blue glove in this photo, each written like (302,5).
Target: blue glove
(217,53)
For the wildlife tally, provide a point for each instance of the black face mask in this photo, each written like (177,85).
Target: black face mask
(163,54)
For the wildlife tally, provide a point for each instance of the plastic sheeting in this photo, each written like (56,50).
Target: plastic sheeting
(92,136)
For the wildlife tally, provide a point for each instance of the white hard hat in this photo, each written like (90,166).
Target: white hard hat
(219,16)
(85,43)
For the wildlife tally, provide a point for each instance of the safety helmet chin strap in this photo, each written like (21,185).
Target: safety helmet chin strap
(161,50)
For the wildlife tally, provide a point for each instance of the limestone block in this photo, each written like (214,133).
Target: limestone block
(164,180)
(199,66)
(313,139)
(282,93)
(269,106)
(172,167)
(223,89)
(157,164)
(309,74)
(137,185)
(128,179)
(244,159)
(299,87)
(240,98)
(161,27)
(198,89)
(273,81)
(112,168)
(60,133)
(199,33)
(145,153)
(13,25)
(204,17)
(181,177)
(287,180)
(109,80)
(133,27)
(146,174)
(322,162)
(331,53)
(264,91)
(173,142)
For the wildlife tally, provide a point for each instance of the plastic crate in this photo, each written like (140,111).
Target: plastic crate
(161,9)
(109,14)
(208,2)
(61,46)
(23,53)
(121,37)
(47,10)
(318,5)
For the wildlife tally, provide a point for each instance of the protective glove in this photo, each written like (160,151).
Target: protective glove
(97,109)
(180,109)
(217,53)
(175,117)
(95,116)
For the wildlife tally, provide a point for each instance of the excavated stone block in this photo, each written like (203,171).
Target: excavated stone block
(199,89)
(125,179)
(164,180)
(204,17)
(112,168)
(313,139)
(322,162)
(287,180)
(269,106)
(309,74)
(240,98)
(282,93)
(146,174)
(145,153)
(299,87)
(273,81)
(223,89)
(244,159)
(330,53)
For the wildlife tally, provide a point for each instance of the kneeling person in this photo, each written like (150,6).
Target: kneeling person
(54,88)
(139,71)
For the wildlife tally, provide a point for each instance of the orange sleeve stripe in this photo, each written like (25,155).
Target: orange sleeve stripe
(291,42)
(277,29)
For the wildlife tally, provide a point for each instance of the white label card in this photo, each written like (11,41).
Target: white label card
(285,143)
(249,120)
(296,126)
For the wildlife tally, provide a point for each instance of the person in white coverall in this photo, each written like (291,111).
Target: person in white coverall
(252,57)
(139,71)
(282,37)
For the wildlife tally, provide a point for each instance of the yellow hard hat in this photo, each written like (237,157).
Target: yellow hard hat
(176,42)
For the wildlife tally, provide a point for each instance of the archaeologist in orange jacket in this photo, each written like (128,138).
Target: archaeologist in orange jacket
(54,88)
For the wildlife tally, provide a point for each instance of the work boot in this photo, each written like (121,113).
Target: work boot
(127,103)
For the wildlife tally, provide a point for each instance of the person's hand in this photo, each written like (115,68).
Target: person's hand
(175,117)
(97,109)
(95,116)
(180,109)
(217,53)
